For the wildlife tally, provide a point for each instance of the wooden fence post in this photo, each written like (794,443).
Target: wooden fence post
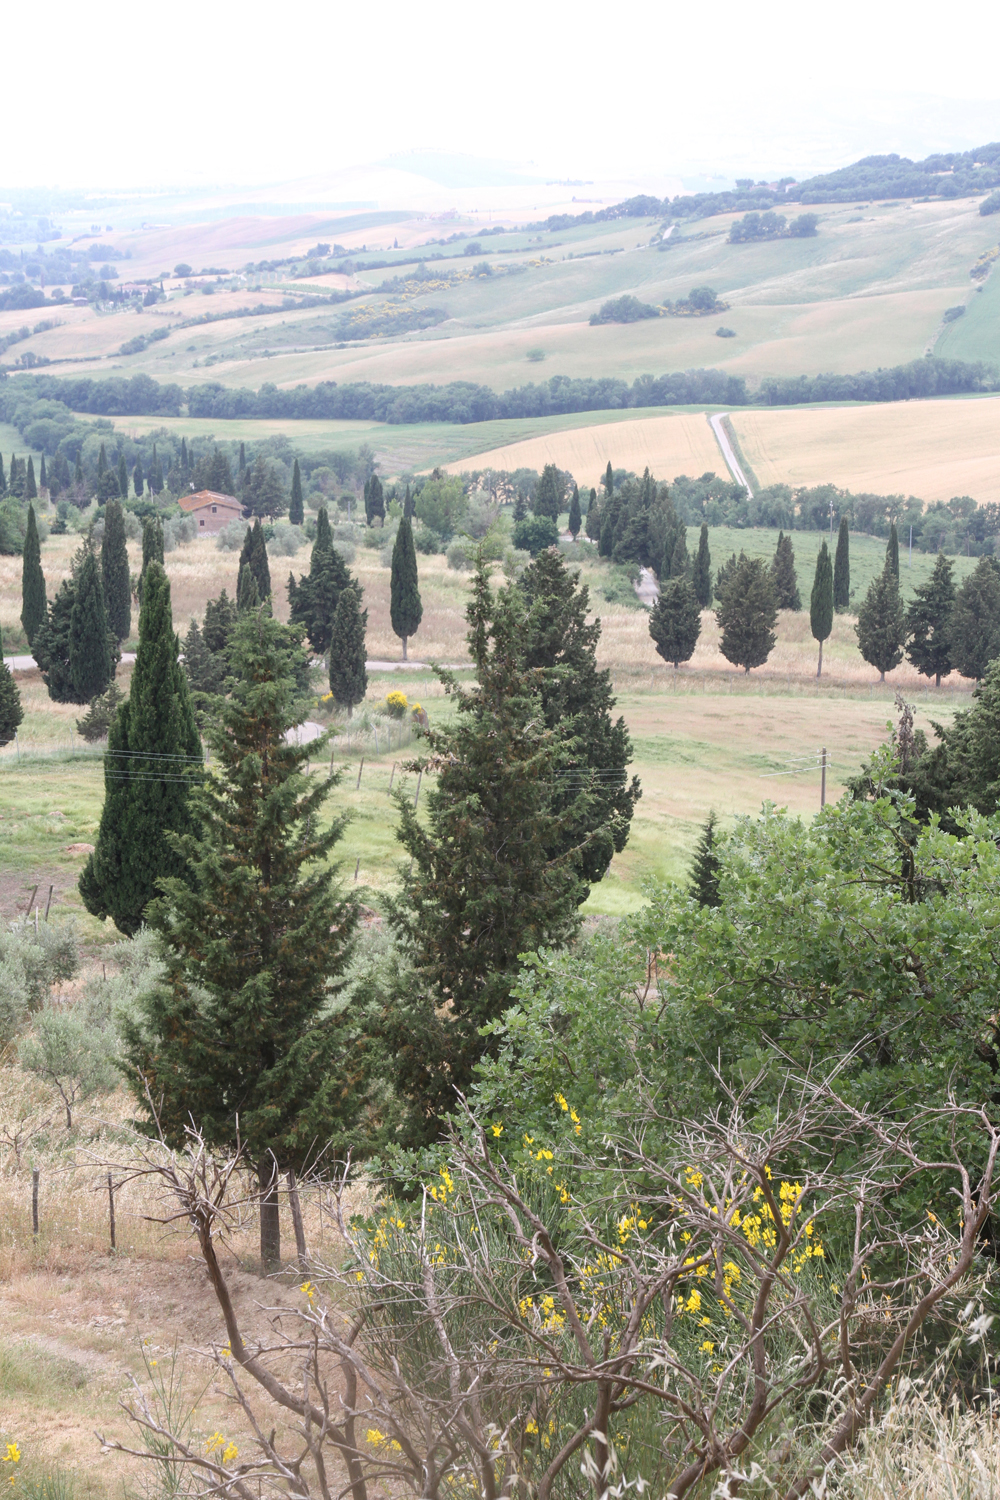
(296,1208)
(34,1200)
(111,1207)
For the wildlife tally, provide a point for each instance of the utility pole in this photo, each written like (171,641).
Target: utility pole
(822,784)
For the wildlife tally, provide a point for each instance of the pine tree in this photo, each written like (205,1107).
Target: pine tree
(548,499)
(50,648)
(122,477)
(145,800)
(821,602)
(559,647)
(701,577)
(114,572)
(33,602)
(11,712)
(348,677)
(842,569)
(974,630)
(91,664)
(405,608)
(295,508)
(928,621)
(592,525)
(575,518)
(30,487)
(102,462)
(263,490)
(881,627)
(247,596)
(313,600)
(247,1037)
(138,479)
(746,613)
(43,478)
(704,886)
(485,886)
(220,623)
(784,576)
(675,620)
(892,553)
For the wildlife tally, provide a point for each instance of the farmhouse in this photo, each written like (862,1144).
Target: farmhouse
(212,510)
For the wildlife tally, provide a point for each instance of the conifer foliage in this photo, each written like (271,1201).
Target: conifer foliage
(33,602)
(549,491)
(348,676)
(821,602)
(928,622)
(485,886)
(244,1036)
(374,500)
(842,568)
(701,573)
(114,572)
(91,663)
(705,866)
(575,516)
(30,487)
(974,628)
(295,509)
(881,627)
(892,553)
(313,600)
(786,583)
(747,611)
(405,609)
(253,579)
(153,758)
(675,621)
(11,712)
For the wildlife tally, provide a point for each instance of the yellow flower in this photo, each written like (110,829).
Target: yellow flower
(561,1101)
(708,1346)
(230,1453)
(309,1290)
(13,1454)
(497,1129)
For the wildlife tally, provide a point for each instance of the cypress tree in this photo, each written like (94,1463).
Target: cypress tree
(313,600)
(243,464)
(575,517)
(409,505)
(156,474)
(701,577)
(405,608)
(520,507)
(892,553)
(152,547)
(746,613)
(548,499)
(485,887)
(30,488)
(50,648)
(246,1037)
(295,508)
(675,620)
(974,630)
(91,664)
(11,712)
(606,545)
(114,572)
(608,482)
(842,569)
(122,477)
(3,478)
(784,576)
(138,479)
(559,646)
(184,456)
(220,622)
(821,602)
(257,562)
(78,470)
(881,627)
(145,800)
(18,476)
(928,622)
(680,562)
(592,525)
(348,677)
(43,478)
(102,462)
(247,597)
(33,601)
(704,886)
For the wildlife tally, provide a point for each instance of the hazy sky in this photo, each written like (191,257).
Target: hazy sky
(185,93)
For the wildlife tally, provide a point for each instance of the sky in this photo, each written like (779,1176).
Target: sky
(198,93)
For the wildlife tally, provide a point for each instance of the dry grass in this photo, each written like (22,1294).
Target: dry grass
(676,444)
(932,449)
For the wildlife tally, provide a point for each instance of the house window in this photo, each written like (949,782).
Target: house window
(201,522)
(214,509)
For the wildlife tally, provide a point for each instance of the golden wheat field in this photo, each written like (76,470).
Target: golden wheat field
(932,449)
(681,443)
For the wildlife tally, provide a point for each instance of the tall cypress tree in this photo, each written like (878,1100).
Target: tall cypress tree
(43,478)
(33,601)
(102,462)
(184,456)
(152,547)
(680,562)
(592,525)
(675,620)
(3,478)
(243,465)
(409,505)
(257,561)
(295,509)
(821,602)
(892,553)
(746,613)
(784,576)
(138,479)
(704,886)
(91,664)
(842,568)
(122,477)
(405,608)
(974,628)
(486,886)
(313,600)
(114,572)
(11,712)
(549,493)
(153,760)
(78,471)
(246,1037)
(881,627)
(156,474)
(348,676)
(928,622)
(575,516)
(701,577)
(30,487)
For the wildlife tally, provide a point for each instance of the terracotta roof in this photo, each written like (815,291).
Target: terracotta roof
(208,497)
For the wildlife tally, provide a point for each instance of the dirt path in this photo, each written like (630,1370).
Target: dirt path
(647,589)
(727,450)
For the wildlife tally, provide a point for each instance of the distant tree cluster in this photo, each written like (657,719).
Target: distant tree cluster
(772,226)
(625,309)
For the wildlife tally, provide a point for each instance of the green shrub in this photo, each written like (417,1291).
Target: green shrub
(991,205)
(534,534)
